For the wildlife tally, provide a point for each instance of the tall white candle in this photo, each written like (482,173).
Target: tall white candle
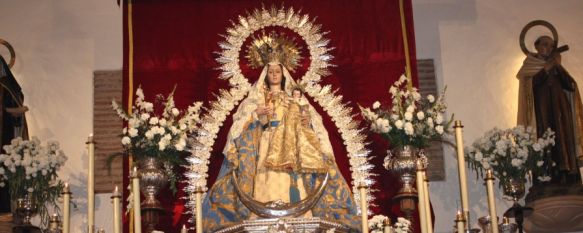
(116,198)
(491,203)
(136,200)
(198,193)
(421,196)
(427,205)
(91,185)
(461,164)
(363,209)
(66,208)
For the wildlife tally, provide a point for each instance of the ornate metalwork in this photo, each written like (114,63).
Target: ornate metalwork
(278,209)
(287,225)
(325,96)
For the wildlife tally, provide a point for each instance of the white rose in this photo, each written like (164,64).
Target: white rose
(536,146)
(411,108)
(408,116)
(126,140)
(384,127)
(516,163)
(376,105)
(420,115)
(2,184)
(416,96)
(148,106)
(538,164)
(430,122)
(149,134)
(2,171)
(153,120)
(393,90)
(162,122)
(399,124)
(409,128)
(439,119)
(175,111)
(145,116)
(439,129)
(125,130)
(395,117)
(133,132)
(431,98)
(162,145)
(478,156)
(30,190)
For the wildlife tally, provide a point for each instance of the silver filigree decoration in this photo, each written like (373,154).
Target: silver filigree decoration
(320,59)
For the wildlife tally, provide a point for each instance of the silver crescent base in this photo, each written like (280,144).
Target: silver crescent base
(286,225)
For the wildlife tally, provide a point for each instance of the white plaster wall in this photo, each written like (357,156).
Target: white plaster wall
(59,43)
(476,52)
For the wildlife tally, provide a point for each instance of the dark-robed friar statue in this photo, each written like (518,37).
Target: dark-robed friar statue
(12,117)
(549,98)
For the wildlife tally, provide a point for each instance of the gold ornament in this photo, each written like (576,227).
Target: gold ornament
(273,47)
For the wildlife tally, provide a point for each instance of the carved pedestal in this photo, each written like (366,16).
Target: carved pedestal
(285,225)
(556,214)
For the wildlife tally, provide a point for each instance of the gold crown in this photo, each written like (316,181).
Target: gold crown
(273,47)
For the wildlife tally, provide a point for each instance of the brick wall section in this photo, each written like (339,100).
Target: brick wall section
(428,85)
(106,129)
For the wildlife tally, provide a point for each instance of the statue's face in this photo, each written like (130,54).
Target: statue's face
(296,94)
(545,46)
(274,74)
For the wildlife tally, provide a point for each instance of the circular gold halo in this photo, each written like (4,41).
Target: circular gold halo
(529,26)
(12,53)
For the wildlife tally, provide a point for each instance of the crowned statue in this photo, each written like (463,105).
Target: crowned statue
(279,160)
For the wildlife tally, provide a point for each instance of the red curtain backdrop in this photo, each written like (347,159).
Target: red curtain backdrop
(174,43)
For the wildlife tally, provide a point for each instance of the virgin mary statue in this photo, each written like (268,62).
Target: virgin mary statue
(279,154)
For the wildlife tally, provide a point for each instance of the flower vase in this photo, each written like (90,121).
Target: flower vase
(153,178)
(515,188)
(403,163)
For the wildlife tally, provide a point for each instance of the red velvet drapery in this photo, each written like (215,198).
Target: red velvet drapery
(174,43)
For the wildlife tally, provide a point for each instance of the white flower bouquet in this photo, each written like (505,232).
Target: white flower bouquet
(378,223)
(412,119)
(512,154)
(29,167)
(162,134)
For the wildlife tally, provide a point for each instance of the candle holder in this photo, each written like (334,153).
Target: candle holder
(54,224)
(507,227)
(485,223)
